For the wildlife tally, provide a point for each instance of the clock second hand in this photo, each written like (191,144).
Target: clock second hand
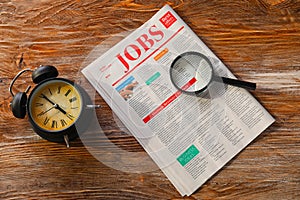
(44,112)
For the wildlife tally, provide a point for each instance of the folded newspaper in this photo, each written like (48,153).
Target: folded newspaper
(189,137)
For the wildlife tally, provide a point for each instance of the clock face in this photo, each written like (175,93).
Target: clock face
(55,105)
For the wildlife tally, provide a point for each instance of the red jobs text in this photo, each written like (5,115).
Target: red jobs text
(142,44)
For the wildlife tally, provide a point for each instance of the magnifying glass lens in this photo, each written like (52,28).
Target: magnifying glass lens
(191,72)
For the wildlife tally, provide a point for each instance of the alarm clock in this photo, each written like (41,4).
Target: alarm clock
(57,108)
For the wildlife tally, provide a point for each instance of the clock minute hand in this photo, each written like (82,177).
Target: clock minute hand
(56,106)
(45,97)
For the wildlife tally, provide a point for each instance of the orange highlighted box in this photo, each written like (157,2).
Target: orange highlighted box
(161,54)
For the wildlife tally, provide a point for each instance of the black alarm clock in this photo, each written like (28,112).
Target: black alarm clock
(57,107)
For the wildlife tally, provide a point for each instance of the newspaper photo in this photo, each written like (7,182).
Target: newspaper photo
(189,137)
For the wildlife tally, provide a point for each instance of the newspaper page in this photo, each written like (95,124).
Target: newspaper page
(189,137)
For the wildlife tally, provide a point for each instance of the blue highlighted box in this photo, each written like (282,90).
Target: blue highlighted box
(125,83)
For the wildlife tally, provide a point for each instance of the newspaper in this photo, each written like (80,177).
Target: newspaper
(189,137)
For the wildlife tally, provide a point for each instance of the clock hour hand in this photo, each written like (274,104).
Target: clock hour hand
(71,117)
(60,109)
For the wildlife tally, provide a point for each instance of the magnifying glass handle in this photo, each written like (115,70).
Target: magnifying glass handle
(238,83)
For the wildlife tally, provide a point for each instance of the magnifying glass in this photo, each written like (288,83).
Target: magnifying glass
(192,72)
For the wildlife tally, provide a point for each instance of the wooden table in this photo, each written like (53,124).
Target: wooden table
(259,40)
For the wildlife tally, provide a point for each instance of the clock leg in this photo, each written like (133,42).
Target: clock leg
(66,138)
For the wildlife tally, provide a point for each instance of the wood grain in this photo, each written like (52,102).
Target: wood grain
(259,40)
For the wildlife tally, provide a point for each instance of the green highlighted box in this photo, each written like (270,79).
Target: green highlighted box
(152,78)
(188,155)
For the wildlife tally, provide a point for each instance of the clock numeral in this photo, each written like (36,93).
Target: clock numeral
(38,104)
(41,113)
(54,124)
(50,91)
(74,108)
(68,92)
(63,122)
(46,121)
(58,89)
(72,99)
(71,117)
